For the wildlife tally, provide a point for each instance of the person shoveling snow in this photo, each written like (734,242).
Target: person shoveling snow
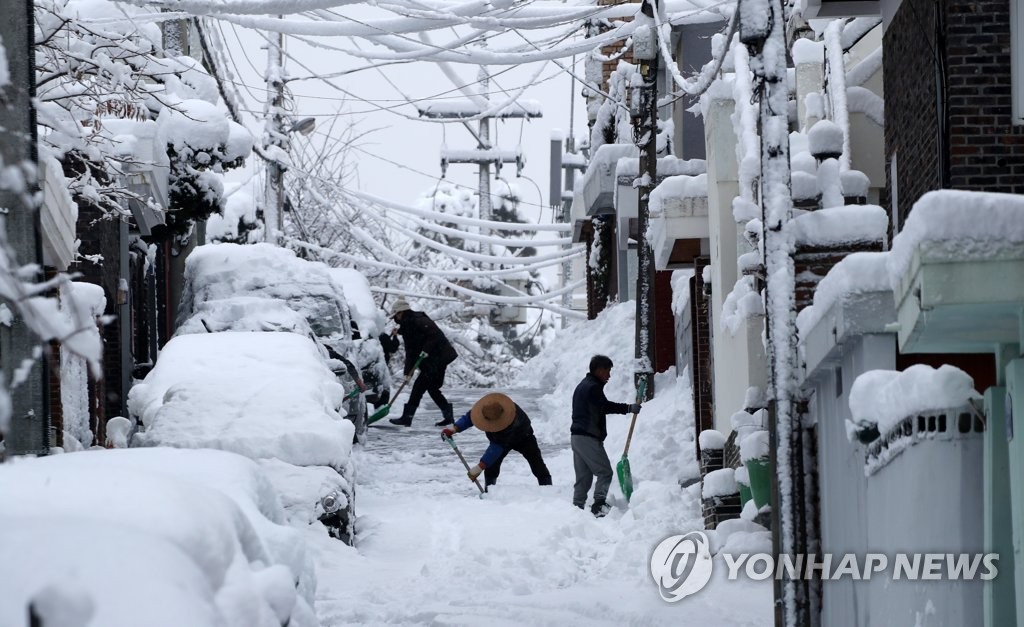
(590,409)
(508,428)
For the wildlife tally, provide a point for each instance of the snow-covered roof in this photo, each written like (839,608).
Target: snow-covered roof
(261,395)
(853,276)
(180,537)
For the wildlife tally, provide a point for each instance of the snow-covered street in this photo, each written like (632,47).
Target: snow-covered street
(429,551)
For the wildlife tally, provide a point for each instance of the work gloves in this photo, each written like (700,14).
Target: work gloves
(634,408)
(474,471)
(448,433)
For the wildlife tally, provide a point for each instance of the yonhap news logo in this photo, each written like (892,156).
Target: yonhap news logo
(682,565)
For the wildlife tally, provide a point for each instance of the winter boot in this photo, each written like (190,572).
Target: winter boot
(405,420)
(447,416)
(600,509)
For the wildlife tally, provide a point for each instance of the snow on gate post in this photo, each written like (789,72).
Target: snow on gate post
(762,29)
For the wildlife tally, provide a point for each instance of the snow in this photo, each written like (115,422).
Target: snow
(855,275)
(841,225)
(530,557)
(676,187)
(754,446)
(744,211)
(948,225)
(180,537)
(223,391)
(742,303)
(710,439)
(244,313)
(865,101)
(885,397)
(808,51)
(825,138)
(364,309)
(667,167)
(681,291)
(721,482)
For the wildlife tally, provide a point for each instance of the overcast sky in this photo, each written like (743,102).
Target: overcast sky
(400,158)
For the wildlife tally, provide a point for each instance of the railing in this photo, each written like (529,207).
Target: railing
(948,424)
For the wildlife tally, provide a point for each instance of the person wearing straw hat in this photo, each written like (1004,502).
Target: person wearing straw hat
(590,409)
(421,334)
(508,428)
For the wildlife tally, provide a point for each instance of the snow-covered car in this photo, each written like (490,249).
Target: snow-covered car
(217,276)
(267,396)
(155,537)
(368,321)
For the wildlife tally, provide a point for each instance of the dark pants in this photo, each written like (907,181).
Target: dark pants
(429,381)
(528,448)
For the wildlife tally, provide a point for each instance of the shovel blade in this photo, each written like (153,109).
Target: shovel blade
(625,477)
(379,414)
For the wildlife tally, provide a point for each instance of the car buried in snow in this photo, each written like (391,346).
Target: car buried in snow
(229,287)
(267,396)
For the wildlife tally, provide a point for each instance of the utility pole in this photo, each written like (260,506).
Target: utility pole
(645,121)
(276,142)
(25,371)
(763,32)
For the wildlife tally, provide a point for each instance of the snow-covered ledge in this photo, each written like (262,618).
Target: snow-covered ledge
(597,192)
(678,210)
(854,298)
(956,272)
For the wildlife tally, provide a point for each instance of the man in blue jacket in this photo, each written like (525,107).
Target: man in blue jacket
(589,429)
(508,428)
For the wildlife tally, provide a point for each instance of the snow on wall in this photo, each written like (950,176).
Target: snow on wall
(855,274)
(742,302)
(841,225)
(721,482)
(960,225)
(710,439)
(885,397)
(681,291)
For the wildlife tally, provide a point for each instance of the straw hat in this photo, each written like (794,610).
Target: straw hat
(399,306)
(493,412)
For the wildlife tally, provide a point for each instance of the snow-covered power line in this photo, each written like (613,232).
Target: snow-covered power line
(437,215)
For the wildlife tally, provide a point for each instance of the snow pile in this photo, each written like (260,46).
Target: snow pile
(721,482)
(825,139)
(742,303)
(855,275)
(681,291)
(710,439)
(841,225)
(754,446)
(364,309)
(951,224)
(668,446)
(258,394)
(238,213)
(180,538)
(885,397)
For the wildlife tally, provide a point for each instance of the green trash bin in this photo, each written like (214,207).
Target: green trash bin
(760,472)
(743,483)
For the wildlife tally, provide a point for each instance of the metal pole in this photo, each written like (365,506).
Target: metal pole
(647,142)
(29,429)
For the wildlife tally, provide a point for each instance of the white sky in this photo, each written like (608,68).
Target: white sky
(416,145)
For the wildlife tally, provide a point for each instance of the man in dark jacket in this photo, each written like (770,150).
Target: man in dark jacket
(421,334)
(589,411)
(508,428)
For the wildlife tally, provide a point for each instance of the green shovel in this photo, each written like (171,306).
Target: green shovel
(622,468)
(383,411)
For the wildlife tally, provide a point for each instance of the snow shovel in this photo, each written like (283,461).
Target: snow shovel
(622,468)
(383,411)
(451,443)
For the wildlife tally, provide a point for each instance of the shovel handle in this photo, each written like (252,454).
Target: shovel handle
(632,424)
(451,443)
(408,377)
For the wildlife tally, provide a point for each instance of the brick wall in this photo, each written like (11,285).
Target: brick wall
(813,263)
(985,151)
